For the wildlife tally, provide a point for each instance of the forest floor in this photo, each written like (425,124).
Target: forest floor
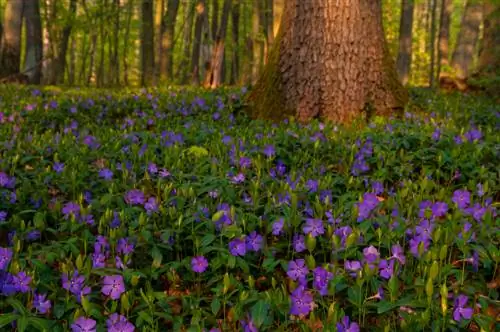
(174,210)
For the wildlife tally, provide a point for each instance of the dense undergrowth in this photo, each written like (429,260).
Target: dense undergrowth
(171,210)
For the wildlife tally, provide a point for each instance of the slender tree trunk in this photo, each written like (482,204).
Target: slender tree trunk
(201,16)
(256,46)
(159,18)
(188,35)
(432,43)
(403,63)
(85,53)
(130,12)
(278,12)
(444,37)
(213,78)
(235,63)
(330,60)
(93,48)
(10,50)
(115,58)
(269,22)
(167,59)
(147,43)
(72,61)
(34,42)
(215,19)
(467,40)
(100,80)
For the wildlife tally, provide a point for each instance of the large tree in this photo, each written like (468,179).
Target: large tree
(147,43)
(330,60)
(403,62)
(10,50)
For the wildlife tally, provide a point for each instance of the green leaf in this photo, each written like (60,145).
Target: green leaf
(16,304)
(259,313)
(6,319)
(22,323)
(146,317)
(207,240)
(40,323)
(215,306)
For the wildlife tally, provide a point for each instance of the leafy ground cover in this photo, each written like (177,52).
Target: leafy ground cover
(170,210)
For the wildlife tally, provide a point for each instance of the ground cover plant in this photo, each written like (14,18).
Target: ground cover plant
(171,210)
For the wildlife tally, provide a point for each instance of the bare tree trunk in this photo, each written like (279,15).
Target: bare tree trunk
(432,43)
(467,40)
(130,12)
(215,19)
(167,59)
(34,42)
(147,43)
(213,78)
(72,61)
(188,35)
(403,63)
(93,48)
(330,60)
(83,65)
(444,37)
(159,18)
(100,80)
(115,60)
(201,16)
(10,50)
(257,45)
(235,63)
(269,22)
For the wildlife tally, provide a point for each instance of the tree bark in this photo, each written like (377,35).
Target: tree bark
(330,60)
(467,40)
(126,42)
(158,36)
(444,37)
(167,59)
(403,63)
(34,42)
(188,36)
(489,55)
(278,13)
(432,44)
(10,49)
(147,43)
(235,63)
(213,77)
(256,43)
(115,60)
(201,16)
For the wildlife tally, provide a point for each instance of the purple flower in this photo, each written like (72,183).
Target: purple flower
(245,162)
(299,243)
(22,282)
(151,205)
(297,270)
(70,208)
(386,268)
(278,226)
(371,254)
(5,257)
(199,264)
(417,243)
(113,286)
(41,304)
(119,323)
(58,167)
(314,227)
(368,204)
(473,135)
(254,241)
(321,277)
(7,287)
(106,174)
(237,247)
(461,312)
(302,301)
(238,179)
(124,247)
(424,229)
(343,232)
(345,325)
(135,197)
(480,190)
(98,260)
(83,324)
(3,216)
(458,139)
(398,253)
(378,187)
(436,134)
(152,168)
(439,209)
(353,267)
(75,285)
(461,198)
(248,325)
(269,151)
(312,185)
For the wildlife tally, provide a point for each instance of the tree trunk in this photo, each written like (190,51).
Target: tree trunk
(403,63)
(126,42)
(167,59)
(215,19)
(102,43)
(213,77)
(277,12)
(72,61)
(188,35)
(115,60)
(159,10)
(34,42)
(467,40)
(235,63)
(330,60)
(10,50)
(269,23)
(444,37)
(147,43)
(489,55)
(432,44)
(257,45)
(201,16)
